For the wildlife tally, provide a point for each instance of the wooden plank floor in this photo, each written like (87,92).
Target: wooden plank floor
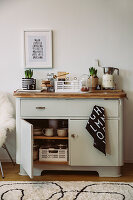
(11,174)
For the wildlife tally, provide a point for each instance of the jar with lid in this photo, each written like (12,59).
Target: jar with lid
(35,152)
(84,83)
(50,77)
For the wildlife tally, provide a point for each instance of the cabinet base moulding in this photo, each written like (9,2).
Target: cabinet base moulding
(110,171)
(51,162)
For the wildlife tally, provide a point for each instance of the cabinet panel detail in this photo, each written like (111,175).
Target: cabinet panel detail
(80,107)
(83,153)
(27,147)
(58,107)
(44,107)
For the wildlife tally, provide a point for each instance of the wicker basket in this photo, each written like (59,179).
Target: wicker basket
(57,155)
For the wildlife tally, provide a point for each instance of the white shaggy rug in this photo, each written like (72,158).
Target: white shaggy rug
(66,190)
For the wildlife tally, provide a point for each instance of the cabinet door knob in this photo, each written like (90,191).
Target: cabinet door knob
(73,135)
(41,108)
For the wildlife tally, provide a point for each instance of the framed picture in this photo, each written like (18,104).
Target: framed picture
(38,49)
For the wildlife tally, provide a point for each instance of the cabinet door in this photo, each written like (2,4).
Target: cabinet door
(83,153)
(27,147)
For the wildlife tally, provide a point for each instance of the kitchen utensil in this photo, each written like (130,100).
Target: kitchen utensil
(37,131)
(62,132)
(108,78)
(110,70)
(49,132)
(108,81)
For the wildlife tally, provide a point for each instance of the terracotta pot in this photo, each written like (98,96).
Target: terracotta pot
(92,82)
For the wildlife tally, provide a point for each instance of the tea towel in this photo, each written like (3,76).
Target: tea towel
(96,127)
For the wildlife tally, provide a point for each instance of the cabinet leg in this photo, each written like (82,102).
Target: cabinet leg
(109,171)
(22,171)
(37,171)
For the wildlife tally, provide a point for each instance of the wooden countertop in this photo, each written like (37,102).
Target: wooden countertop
(101,94)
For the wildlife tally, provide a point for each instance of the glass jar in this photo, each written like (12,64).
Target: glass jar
(84,83)
(50,77)
(35,152)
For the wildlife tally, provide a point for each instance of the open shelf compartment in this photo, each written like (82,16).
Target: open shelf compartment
(49,149)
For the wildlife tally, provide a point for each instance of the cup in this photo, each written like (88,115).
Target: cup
(62,132)
(49,132)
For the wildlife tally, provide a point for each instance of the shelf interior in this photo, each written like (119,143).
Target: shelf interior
(50,138)
(51,162)
(43,144)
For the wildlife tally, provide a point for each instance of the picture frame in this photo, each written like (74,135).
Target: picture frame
(38,49)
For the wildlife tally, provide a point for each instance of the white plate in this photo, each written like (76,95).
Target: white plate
(37,133)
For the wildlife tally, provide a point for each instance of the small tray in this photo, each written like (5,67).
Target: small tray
(21,90)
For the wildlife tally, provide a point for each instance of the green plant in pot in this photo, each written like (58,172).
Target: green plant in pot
(28,73)
(28,83)
(93,79)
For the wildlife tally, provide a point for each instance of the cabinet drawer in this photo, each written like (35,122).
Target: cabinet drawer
(64,107)
(44,107)
(83,107)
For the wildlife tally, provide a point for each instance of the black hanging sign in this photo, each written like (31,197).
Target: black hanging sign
(96,127)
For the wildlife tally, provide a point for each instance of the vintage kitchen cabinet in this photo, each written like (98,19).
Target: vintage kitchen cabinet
(38,108)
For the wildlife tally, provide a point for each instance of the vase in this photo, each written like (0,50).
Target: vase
(92,82)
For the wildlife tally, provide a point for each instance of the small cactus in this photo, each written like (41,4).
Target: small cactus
(28,73)
(93,71)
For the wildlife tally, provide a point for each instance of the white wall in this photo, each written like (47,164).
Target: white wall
(83,30)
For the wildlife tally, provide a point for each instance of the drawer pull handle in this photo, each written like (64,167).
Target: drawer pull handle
(73,135)
(40,108)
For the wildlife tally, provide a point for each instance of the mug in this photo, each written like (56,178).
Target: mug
(62,132)
(48,132)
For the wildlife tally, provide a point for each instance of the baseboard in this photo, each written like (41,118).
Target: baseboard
(7,160)
(128,161)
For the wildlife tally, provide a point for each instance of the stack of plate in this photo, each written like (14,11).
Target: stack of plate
(37,131)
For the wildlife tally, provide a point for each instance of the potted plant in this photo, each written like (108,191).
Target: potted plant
(28,83)
(93,79)
(28,73)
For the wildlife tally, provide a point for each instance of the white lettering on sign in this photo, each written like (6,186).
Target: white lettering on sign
(93,128)
(98,123)
(104,129)
(103,118)
(98,111)
(100,135)
(93,117)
